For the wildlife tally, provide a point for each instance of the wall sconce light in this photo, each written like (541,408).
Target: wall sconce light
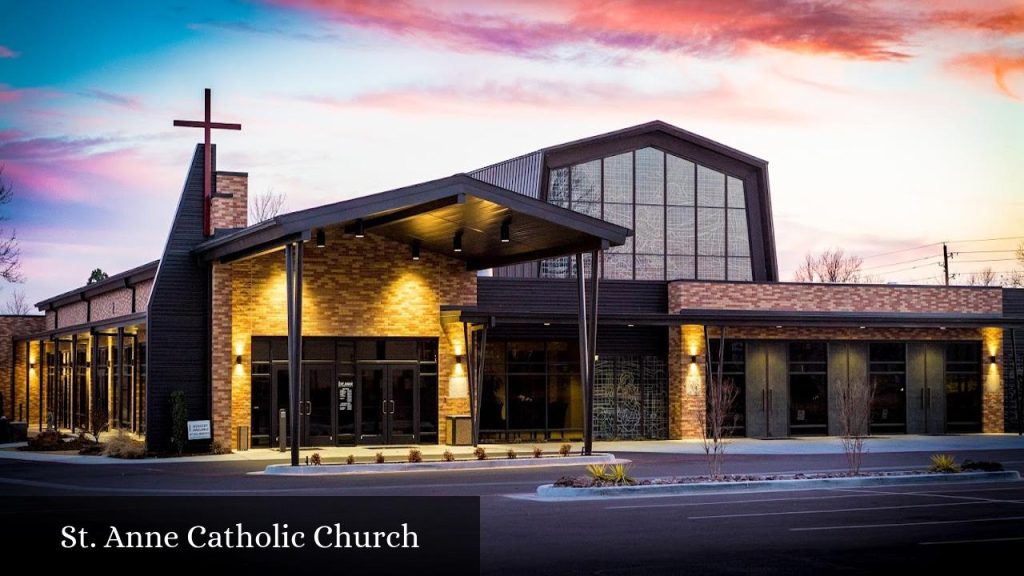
(505,231)
(457,242)
(238,360)
(458,358)
(360,231)
(32,365)
(416,250)
(321,238)
(693,359)
(992,359)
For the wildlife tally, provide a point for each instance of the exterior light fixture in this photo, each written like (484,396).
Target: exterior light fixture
(238,360)
(360,231)
(693,359)
(32,365)
(992,359)
(942,327)
(863,327)
(629,325)
(547,323)
(457,242)
(416,250)
(778,327)
(458,358)
(321,238)
(505,232)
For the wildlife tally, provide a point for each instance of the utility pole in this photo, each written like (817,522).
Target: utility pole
(945,261)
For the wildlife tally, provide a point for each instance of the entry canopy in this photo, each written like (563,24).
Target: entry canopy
(430,215)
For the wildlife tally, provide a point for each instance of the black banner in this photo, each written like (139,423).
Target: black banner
(304,535)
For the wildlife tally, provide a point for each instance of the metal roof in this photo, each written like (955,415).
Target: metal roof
(430,214)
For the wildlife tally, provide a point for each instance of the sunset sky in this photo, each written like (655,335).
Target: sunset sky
(888,125)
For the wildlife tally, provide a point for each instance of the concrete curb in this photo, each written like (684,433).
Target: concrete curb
(346,469)
(549,491)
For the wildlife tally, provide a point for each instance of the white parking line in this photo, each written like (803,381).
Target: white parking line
(1012,539)
(905,524)
(838,510)
(750,501)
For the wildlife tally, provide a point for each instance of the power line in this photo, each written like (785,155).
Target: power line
(985,251)
(912,268)
(1003,238)
(986,260)
(898,263)
(986,239)
(901,250)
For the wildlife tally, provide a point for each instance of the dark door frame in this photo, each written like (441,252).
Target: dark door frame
(388,435)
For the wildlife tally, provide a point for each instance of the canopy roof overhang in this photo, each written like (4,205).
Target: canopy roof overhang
(430,214)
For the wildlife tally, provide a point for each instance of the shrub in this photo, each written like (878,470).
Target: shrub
(619,475)
(179,421)
(598,471)
(415,456)
(944,463)
(448,456)
(511,453)
(379,458)
(45,441)
(565,449)
(350,460)
(218,447)
(480,453)
(981,465)
(315,459)
(537,452)
(124,446)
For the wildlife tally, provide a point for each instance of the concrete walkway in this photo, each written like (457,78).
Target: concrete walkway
(751,446)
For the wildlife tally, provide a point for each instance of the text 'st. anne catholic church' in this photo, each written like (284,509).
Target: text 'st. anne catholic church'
(384,318)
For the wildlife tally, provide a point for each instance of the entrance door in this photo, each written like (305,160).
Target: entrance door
(317,425)
(767,393)
(926,399)
(387,404)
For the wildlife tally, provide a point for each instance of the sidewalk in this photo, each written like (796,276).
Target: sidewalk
(749,446)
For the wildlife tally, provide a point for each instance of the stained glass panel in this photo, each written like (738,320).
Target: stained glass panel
(650,230)
(650,176)
(680,267)
(739,238)
(586,182)
(681,235)
(711,231)
(711,268)
(680,178)
(710,187)
(618,178)
(736,196)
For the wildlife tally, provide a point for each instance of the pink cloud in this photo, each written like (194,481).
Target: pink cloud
(854,29)
(6,52)
(487,99)
(81,170)
(111,98)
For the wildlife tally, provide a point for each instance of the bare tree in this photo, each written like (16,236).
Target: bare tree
(986,277)
(853,400)
(10,253)
(17,305)
(1013,279)
(721,395)
(265,205)
(831,266)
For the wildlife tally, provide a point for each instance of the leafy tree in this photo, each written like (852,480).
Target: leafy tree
(97,275)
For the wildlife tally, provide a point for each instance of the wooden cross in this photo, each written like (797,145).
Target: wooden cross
(207,125)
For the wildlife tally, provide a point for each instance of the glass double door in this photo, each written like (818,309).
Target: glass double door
(386,400)
(316,423)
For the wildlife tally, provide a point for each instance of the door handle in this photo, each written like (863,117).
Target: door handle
(770,391)
(922,397)
(392,406)
(383,406)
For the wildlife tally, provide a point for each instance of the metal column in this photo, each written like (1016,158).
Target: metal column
(1018,382)
(293,271)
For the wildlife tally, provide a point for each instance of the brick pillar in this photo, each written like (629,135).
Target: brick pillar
(230,205)
(221,356)
(685,381)
(992,380)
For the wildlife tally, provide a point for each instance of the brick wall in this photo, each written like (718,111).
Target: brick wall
(230,208)
(686,386)
(142,291)
(111,304)
(12,358)
(833,297)
(353,287)
(72,314)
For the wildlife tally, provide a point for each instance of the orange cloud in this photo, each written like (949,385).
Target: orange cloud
(1000,66)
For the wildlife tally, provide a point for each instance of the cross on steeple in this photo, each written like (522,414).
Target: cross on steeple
(207,125)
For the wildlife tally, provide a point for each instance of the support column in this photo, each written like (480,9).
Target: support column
(585,355)
(74,382)
(58,366)
(28,382)
(1018,382)
(95,411)
(44,375)
(293,273)
(474,408)
(119,389)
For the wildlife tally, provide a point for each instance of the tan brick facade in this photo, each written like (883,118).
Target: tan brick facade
(833,297)
(229,208)
(352,288)
(11,327)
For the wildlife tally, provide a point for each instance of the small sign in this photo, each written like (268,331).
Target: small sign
(345,389)
(801,415)
(198,429)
